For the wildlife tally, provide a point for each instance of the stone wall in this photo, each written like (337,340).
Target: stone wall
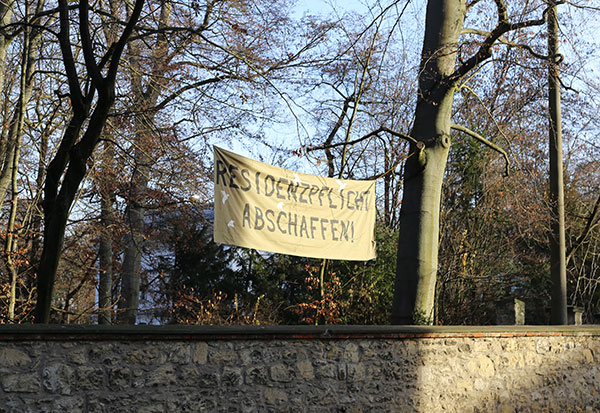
(299,369)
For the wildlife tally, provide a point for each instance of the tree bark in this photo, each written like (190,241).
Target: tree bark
(57,206)
(72,155)
(558,265)
(148,98)
(417,263)
(6,14)
(105,253)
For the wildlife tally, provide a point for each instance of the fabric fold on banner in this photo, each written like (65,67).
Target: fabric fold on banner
(268,208)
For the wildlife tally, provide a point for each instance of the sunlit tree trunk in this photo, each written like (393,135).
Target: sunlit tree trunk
(29,57)
(558,266)
(6,14)
(424,170)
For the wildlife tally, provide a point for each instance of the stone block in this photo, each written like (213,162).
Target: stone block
(148,355)
(90,378)
(77,356)
(274,396)
(200,353)
(119,378)
(257,375)
(305,370)
(106,353)
(510,312)
(75,404)
(209,380)
(12,357)
(162,376)
(189,402)
(58,378)
(282,373)
(351,354)
(180,354)
(232,377)
(356,372)
(325,369)
(221,356)
(21,383)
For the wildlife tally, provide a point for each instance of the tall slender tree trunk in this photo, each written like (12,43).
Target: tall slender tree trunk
(8,145)
(6,14)
(417,260)
(558,266)
(11,239)
(130,277)
(29,57)
(105,253)
(144,121)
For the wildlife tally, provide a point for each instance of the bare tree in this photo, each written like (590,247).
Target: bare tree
(89,113)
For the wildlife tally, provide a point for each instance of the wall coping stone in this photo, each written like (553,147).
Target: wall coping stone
(72,332)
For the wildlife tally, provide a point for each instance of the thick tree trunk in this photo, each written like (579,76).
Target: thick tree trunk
(417,263)
(58,203)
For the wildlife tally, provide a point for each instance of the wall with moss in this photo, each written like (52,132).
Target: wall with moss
(299,369)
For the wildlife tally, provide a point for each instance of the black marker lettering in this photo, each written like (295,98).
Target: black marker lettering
(279,187)
(282,230)
(348,200)
(333,223)
(269,215)
(257,185)
(259,222)
(267,179)
(313,191)
(312,226)
(232,169)
(323,227)
(303,226)
(293,223)
(292,189)
(245,177)
(246,217)
(221,171)
(330,201)
(305,187)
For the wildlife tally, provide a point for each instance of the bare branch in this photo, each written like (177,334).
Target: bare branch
(372,134)
(507,42)
(579,6)
(491,115)
(86,44)
(68,59)
(334,130)
(588,228)
(472,3)
(486,142)
(485,50)
(120,45)
(502,15)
